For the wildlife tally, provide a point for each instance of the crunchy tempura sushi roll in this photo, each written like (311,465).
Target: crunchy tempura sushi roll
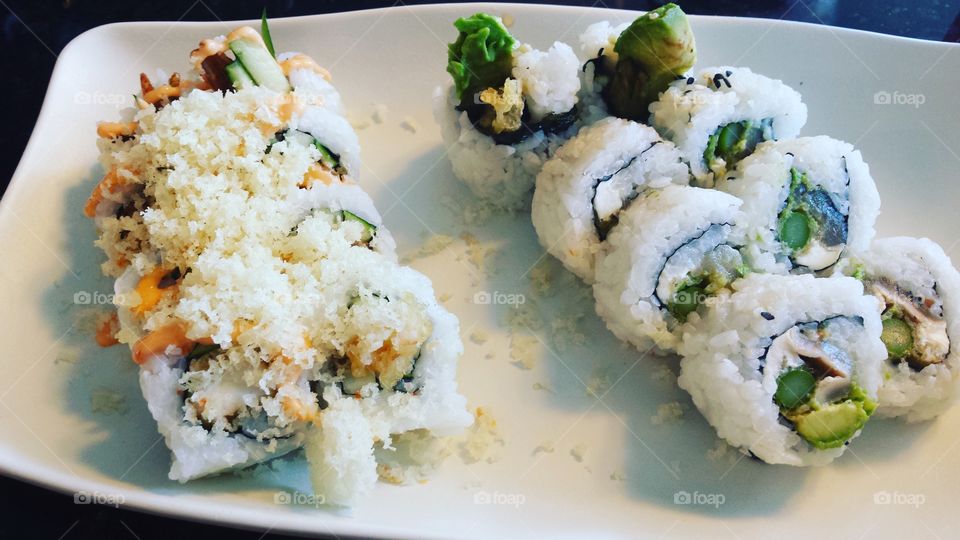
(718,117)
(787,367)
(673,252)
(627,66)
(919,291)
(591,179)
(256,284)
(509,108)
(806,202)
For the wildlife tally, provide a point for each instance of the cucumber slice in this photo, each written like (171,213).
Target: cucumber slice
(327,157)
(238,76)
(369,229)
(260,64)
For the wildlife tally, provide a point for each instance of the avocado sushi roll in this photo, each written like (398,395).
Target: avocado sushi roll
(672,254)
(591,179)
(718,117)
(510,106)
(787,368)
(627,66)
(806,203)
(919,291)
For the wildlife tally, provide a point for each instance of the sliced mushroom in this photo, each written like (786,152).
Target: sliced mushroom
(823,359)
(931,342)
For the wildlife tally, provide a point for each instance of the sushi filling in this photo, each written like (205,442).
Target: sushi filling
(816,390)
(481,62)
(384,356)
(698,270)
(913,328)
(734,141)
(503,115)
(810,226)
(355,228)
(610,195)
(217,398)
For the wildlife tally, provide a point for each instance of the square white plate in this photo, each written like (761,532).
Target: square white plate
(894,98)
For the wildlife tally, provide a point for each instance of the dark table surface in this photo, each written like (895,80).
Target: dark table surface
(34,32)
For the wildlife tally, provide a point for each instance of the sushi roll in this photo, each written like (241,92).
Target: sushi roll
(395,372)
(582,189)
(787,368)
(673,253)
(806,202)
(256,284)
(509,108)
(718,117)
(919,291)
(627,66)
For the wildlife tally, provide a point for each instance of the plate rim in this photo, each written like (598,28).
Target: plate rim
(136,498)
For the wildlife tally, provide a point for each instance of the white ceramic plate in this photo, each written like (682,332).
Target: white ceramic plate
(895,98)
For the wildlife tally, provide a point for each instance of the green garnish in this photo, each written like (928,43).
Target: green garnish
(265,32)
(369,229)
(897,336)
(859,272)
(795,225)
(481,57)
(653,51)
(327,157)
(795,230)
(794,388)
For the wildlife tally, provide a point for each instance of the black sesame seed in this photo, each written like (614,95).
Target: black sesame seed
(767,315)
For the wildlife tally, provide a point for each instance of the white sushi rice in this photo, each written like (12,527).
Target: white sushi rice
(599,36)
(692,109)
(762,181)
(503,175)
(594,175)
(721,368)
(921,268)
(549,78)
(309,81)
(635,254)
(334,132)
